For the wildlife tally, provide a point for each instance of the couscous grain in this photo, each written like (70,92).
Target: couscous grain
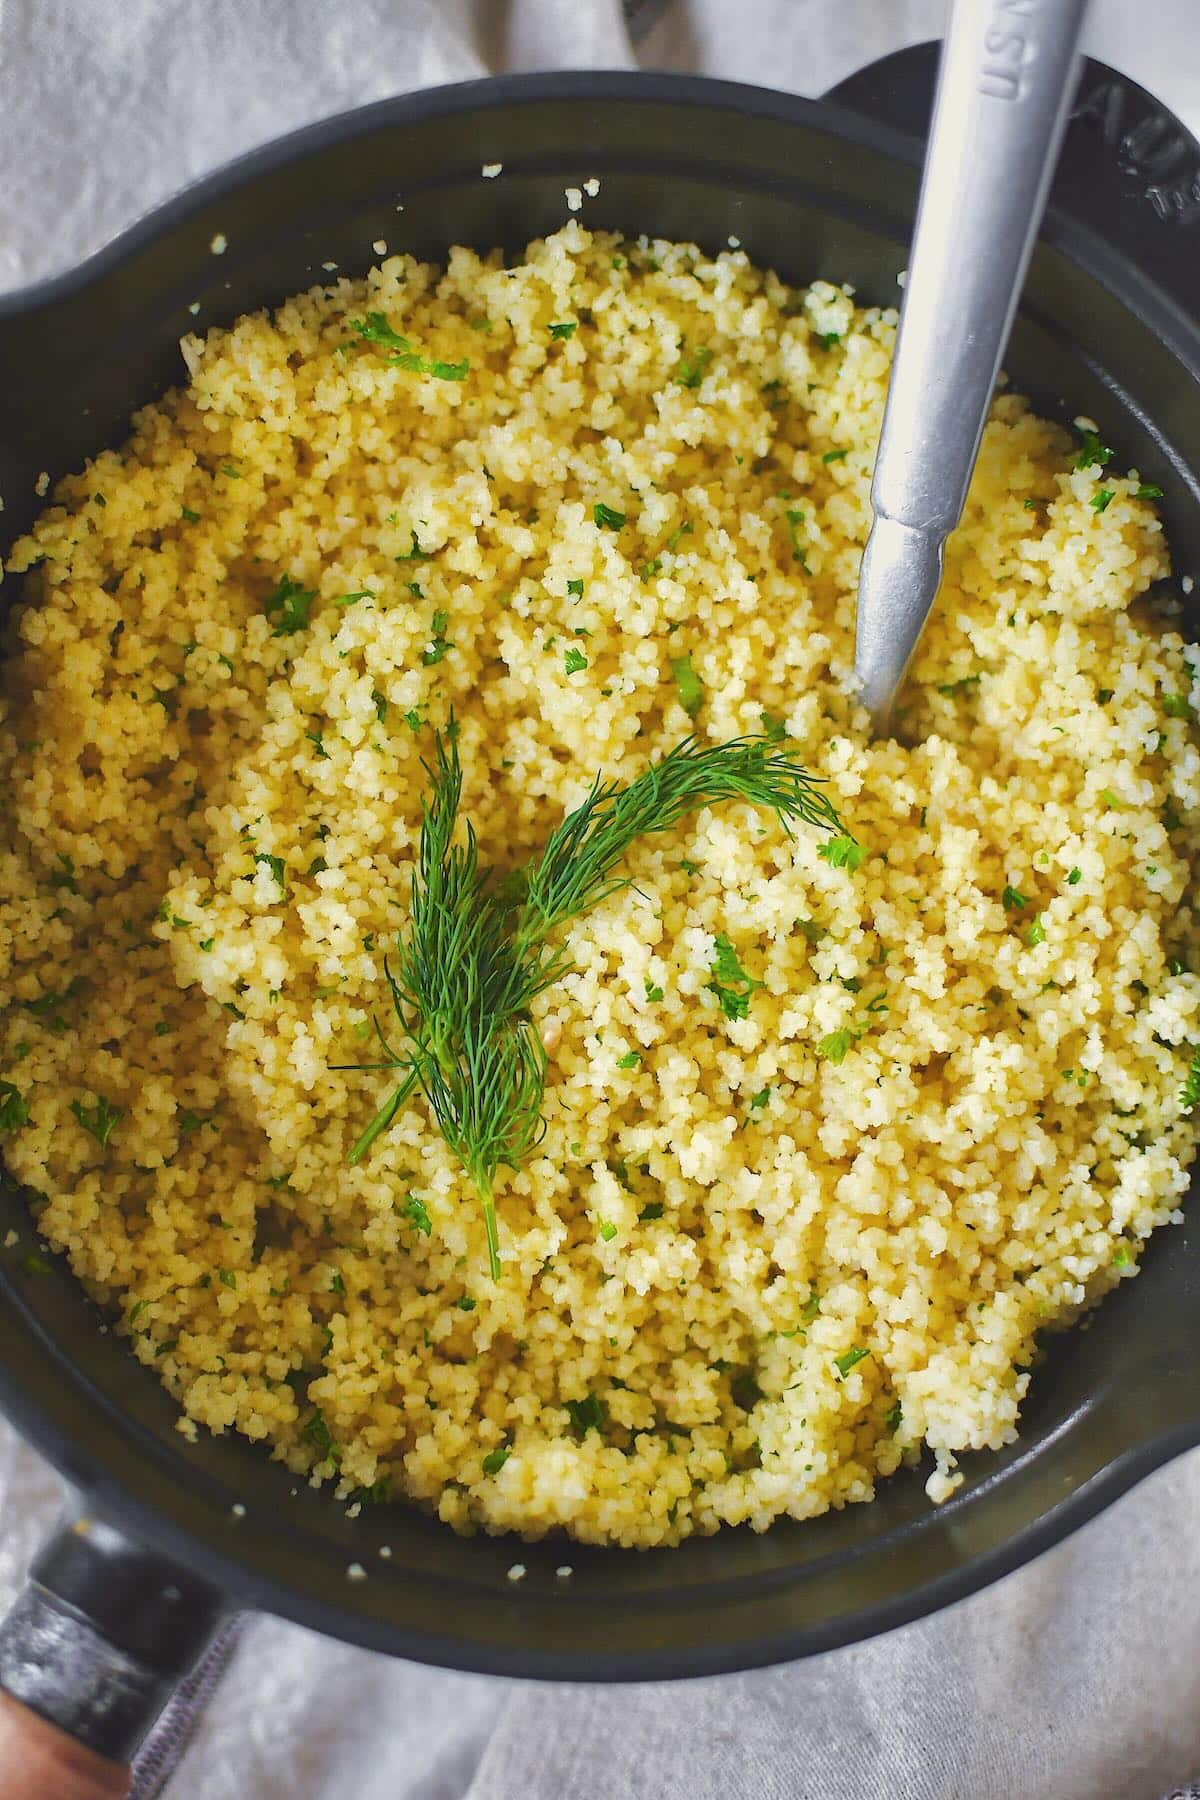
(758,1260)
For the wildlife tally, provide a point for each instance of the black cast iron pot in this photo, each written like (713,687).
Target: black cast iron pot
(1111,328)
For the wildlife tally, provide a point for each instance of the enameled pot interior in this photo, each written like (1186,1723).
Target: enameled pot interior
(813,193)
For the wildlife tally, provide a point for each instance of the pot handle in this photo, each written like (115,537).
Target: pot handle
(90,1654)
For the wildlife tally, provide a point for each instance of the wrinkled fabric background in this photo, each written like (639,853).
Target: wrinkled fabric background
(1076,1678)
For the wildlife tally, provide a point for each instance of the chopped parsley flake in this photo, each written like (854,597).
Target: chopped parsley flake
(608,516)
(406,357)
(416,554)
(843,853)
(193,518)
(1093,453)
(653,1211)
(950,688)
(759,1100)
(794,516)
(733,1004)
(833,1048)
(1189,1093)
(630,1060)
(566,329)
(895,1417)
(1013,900)
(414,1210)
(745,1391)
(1177,706)
(1149,490)
(847,1360)
(1100,499)
(575,589)
(317,1433)
(690,373)
(586,1415)
(688,685)
(467,1303)
(64,875)
(13,1111)
(574,662)
(731,985)
(608,1230)
(289,604)
(495,1460)
(99,1120)
(653,991)
(438,646)
(774,730)
(1036,933)
(832,456)
(1075,877)
(378,1494)
(277,867)
(374,329)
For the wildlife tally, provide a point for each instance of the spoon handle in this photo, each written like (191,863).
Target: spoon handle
(1008,75)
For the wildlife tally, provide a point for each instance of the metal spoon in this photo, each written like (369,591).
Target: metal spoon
(1008,75)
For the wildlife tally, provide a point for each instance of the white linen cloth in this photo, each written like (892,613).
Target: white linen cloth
(1077,1678)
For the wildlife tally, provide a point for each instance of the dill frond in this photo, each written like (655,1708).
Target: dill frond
(475,955)
(576,870)
(488,1106)
(386,1113)
(455,958)
(459,995)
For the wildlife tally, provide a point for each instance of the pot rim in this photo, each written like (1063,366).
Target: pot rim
(233,1570)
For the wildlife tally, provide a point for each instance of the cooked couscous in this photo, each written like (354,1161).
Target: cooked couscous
(828,1138)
